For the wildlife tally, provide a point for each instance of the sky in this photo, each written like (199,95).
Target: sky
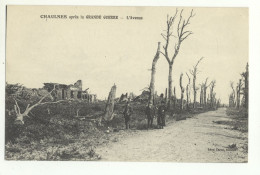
(107,51)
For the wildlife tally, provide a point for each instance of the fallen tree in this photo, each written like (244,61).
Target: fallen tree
(20,116)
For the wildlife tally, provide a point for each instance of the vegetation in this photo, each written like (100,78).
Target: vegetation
(68,130)
(238,107)
(242,88)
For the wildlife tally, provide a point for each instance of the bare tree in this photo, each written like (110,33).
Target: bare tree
(239,86)
(174,98)
(194,73)
(233,94)
(245,76)
(182,92)
(151,88)
(20,116)
(201,94)
(208,99)
(213,84)
(218,103)
(188,92)
(214,100)
(205,86)
(182,34)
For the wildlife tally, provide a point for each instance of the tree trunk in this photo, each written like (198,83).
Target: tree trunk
(182,92)
(165,98)
(170,85)
(188,92)
(205,96)
(155,59)
(201,96)
(187,96)
(174,98)
(194,91)
(214,101)
(246,87)
(109,110)
(238,93)
(238,99)
(234,98)
(213,83)
(212,97)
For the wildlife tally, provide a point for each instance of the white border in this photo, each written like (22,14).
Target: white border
(32,167)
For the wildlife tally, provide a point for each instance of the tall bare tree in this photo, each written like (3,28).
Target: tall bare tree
(174,98)
(233,94)
(205,86)
(239,86)
(201,94)
(182,92)
(245,76)
(218,103)
(214,100)
(194,72)
(182,34)
(212,86)
(188,92)
(151,88)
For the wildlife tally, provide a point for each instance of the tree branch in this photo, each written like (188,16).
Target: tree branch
(51,102)
(188,77)
(39,102)
(199,62)
(164,37)
(17,106)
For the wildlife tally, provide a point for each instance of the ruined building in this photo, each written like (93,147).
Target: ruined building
(63,91)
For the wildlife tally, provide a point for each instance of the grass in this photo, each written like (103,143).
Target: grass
(239,119)
(62,136)
(238,113)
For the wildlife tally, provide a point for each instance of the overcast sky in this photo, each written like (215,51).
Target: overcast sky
(104,52)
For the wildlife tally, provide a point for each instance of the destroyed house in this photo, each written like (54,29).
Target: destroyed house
(63,91)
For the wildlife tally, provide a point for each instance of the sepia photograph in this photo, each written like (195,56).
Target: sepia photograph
(127,84)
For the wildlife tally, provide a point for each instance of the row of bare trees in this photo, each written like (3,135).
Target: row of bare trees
(175,35)
(210,102)
(241,88)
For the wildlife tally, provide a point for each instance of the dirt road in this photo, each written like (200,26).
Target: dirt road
(197,139)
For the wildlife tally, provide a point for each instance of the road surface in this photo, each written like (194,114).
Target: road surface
(197,139)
